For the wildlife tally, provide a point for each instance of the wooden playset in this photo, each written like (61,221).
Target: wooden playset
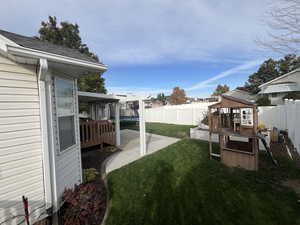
(235,121)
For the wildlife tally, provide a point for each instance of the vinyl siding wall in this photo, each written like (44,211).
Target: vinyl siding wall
(21,167)
(68,162)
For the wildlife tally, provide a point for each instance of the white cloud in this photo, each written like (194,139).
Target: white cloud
(237,69)
(211,82)
(153,31)
(137,90)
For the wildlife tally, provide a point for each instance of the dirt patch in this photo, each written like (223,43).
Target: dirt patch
(94,157)
(293,184)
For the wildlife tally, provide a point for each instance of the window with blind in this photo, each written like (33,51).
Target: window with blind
(64,90)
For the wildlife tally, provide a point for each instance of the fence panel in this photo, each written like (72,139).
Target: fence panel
(191,114)
(284,117)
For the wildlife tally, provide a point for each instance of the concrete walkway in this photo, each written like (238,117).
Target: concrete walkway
(130,146)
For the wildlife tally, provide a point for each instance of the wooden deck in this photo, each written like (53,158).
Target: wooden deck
(97,132)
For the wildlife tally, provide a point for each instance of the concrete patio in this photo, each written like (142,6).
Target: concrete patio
(131,148)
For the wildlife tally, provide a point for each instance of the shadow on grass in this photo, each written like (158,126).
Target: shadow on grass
(180,186)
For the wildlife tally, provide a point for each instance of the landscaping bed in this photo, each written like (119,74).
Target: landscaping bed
(86,203)
(180,185)
(169,130)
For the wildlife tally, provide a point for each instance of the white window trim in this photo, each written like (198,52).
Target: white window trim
(57,116)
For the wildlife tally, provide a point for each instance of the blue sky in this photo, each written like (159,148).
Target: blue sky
(152,46)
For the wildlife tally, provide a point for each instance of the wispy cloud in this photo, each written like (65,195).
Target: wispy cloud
(153,31)
(237,69)
(211,82)
(138,90)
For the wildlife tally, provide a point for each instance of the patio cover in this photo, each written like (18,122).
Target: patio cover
(91,97)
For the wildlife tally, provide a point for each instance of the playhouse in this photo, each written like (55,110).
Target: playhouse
(235,121)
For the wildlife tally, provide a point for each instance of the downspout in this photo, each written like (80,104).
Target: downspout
(48,160)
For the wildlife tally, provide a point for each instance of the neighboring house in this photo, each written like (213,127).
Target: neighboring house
(279,87)
(241,94)
(39,128)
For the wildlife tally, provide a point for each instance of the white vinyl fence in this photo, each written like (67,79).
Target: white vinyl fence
(187,114)
(284,117)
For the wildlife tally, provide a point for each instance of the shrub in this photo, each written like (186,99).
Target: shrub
(84,205)
(292,95)
(205,119)
(263,101)
(90,175)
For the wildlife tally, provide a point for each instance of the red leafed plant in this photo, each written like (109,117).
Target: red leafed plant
(84,205)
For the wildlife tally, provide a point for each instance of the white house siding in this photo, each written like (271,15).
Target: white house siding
(21,168)
(68,162)
(277,99)
(294,77)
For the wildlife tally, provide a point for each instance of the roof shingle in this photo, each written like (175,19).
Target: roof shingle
(45,46)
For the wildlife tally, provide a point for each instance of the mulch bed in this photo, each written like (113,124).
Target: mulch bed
(94,158)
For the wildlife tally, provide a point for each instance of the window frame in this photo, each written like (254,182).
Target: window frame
(58,115)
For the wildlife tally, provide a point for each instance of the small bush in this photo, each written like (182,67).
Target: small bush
(90,175)
(263,101)
(205,120)
(84,205)
(292,95)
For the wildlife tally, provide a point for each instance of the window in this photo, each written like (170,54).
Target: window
(64,90)
(274,95)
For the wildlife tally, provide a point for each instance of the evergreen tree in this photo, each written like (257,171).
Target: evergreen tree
(162,98)
(220,89)
(67,34)
(271,69)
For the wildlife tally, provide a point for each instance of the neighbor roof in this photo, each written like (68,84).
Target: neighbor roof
(278,78)
(281,87)
(45,46)
(240,94)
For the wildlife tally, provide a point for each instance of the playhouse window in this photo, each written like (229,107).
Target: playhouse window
(64,90)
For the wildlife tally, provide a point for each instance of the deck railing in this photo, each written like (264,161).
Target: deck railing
(97,132)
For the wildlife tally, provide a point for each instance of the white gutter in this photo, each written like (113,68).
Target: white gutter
(28,52)
(43,68)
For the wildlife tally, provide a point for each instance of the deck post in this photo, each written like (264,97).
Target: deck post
(143,150)
(117,122)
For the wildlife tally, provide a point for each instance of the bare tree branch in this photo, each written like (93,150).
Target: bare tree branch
(283,20)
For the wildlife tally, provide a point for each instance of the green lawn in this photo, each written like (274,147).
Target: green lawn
(170,130)
(179,185)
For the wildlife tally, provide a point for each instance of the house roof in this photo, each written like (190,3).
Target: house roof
(281,87)
(45,46)
(240,94)
(278,78)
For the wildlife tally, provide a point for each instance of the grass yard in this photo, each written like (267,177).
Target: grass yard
(179,185)
(170,130)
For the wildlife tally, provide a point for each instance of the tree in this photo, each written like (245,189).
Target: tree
(67,34)
(162,98)
(178,96)
(270,69)
(283,22)
(263,101)
(220,89)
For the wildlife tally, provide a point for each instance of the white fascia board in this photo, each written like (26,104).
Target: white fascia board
(278,78)
(27,52)
(4,42)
